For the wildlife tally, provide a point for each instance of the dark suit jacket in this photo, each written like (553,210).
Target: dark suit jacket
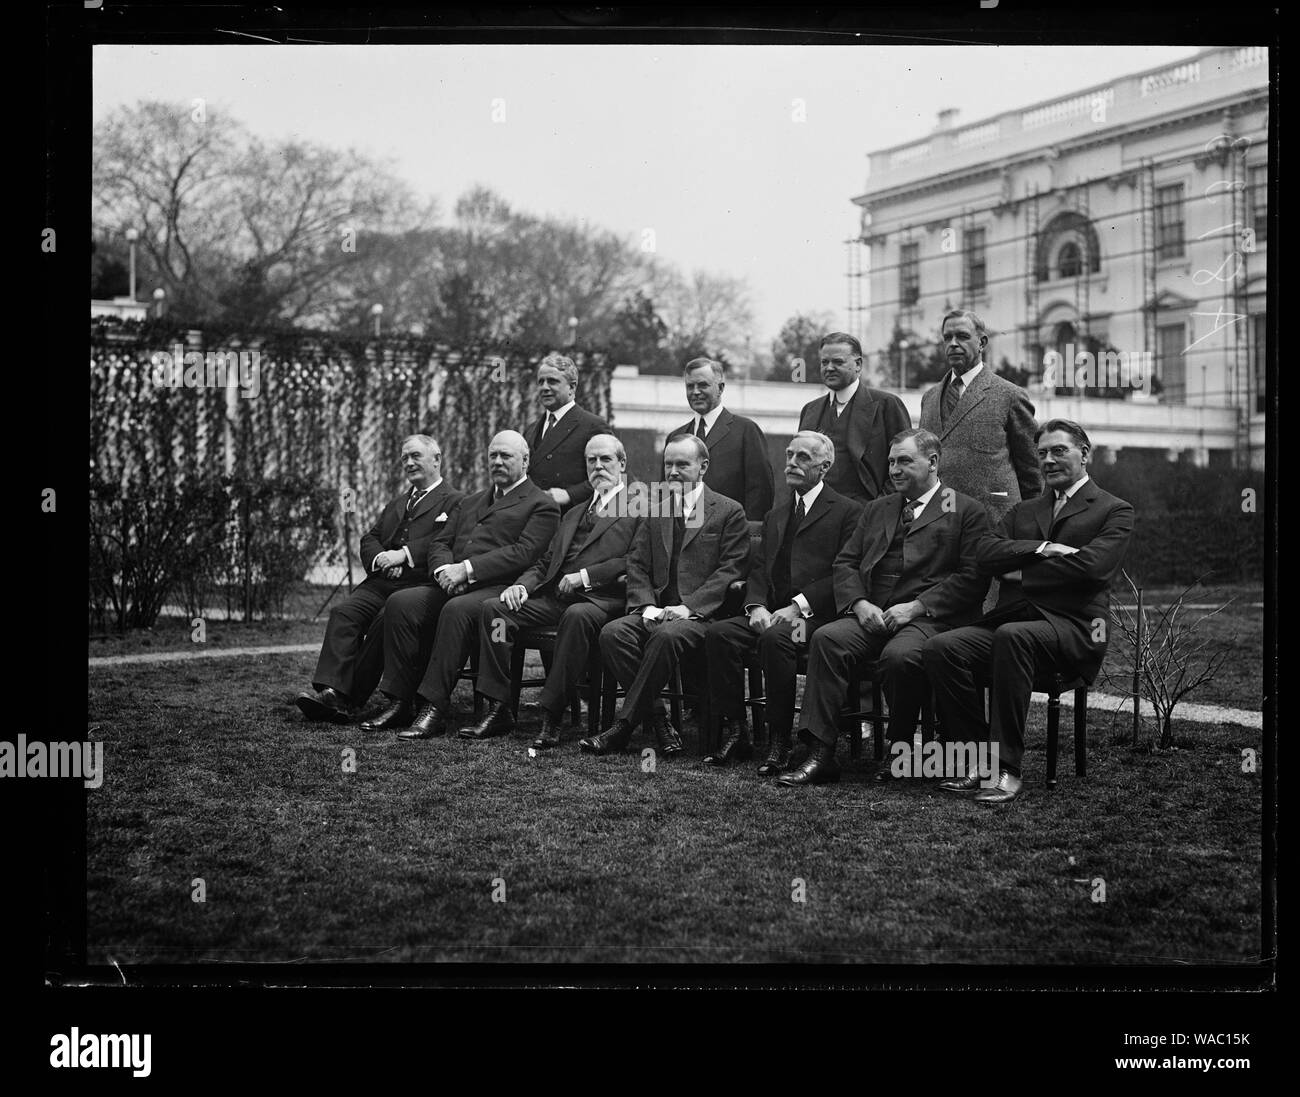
(604,554)
(826,528)
(423,527)
(560,459)
(739,467)
(715,553)
(499,540)
(939,562)
(875,418)
(988,446)
(1072,592)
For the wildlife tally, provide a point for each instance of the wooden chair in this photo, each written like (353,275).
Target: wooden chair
(542,640)
(1054,684)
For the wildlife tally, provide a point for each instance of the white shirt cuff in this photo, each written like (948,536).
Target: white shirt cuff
(586,581)
(469,572)
(802,603)
(407,549)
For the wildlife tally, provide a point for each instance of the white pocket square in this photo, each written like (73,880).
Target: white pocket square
(443,516)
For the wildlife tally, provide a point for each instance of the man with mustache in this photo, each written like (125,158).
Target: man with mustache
(394,553)
(494,537)
(907,573)
(859,421)
(788,598)
(574,586)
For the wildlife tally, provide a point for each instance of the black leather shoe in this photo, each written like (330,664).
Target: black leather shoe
(498,721)
(549,736)
(429,723)
(329,704)
(737,746)
(962,786)
(388,714)
(820,769)
(778,757)
(612,740)
(670,743)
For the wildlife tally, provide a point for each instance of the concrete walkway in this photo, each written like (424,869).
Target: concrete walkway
(1099,702)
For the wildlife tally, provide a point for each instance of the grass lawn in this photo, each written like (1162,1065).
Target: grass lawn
(210,772)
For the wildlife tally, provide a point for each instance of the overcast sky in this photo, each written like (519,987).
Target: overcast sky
(694,142)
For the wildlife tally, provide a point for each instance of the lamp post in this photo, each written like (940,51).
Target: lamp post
(573,331)
(902,364)
(132,235)
(376,310)
(158,295)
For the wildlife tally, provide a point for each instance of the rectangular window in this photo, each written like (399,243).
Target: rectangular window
(909,274)
(1259,359)
(1169,221)
(976,265)
(1171,365)
(1257,202)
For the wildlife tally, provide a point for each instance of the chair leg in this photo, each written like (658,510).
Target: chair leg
(927,715)
(1081,731)
(595,693)
(675,703)
(516,675)
(1053,728)
(608,700)
(755,676)
(877,721)
(852,725)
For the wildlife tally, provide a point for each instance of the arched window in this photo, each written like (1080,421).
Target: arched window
(1069,261)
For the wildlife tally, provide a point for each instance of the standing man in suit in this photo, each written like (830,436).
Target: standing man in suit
(986,423)
(1068,544)
(859,420)
(493,537)
(788,598)
(682,561)
(907,573)
(393,553)
(558,439)
(738,463)
(574,586)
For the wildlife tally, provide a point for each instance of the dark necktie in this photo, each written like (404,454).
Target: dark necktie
(416,496)
(699,429)
(909,512)
(1061,499)
(781,569)
(549,424)
(951,394)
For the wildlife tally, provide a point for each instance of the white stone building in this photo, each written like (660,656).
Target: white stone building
(1129,218)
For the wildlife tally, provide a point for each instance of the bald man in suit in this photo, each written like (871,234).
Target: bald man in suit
(393,553)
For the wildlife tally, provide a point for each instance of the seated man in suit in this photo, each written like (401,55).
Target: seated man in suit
(907,573)
(788,598)
(858,419)
(739,467)
(558,439)
(682,561)
(394,553)
(1068,545)
(575,585)
(494,536)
